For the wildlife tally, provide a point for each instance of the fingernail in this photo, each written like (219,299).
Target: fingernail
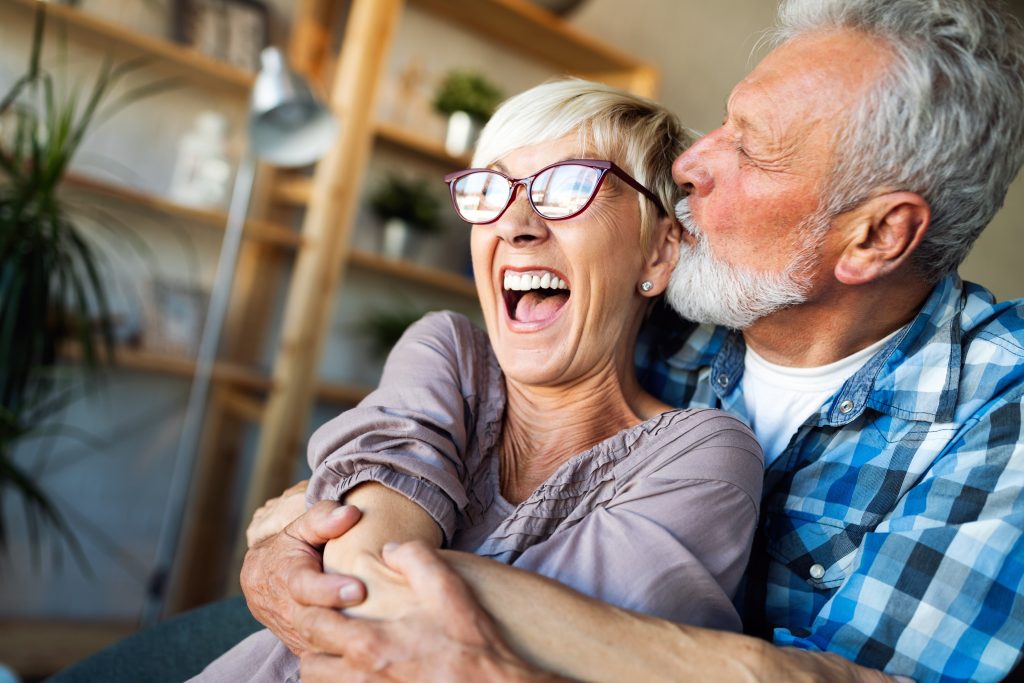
(388,547)
(349,592)
(338,512)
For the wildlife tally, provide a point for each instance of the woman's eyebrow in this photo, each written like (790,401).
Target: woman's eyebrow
(498,166)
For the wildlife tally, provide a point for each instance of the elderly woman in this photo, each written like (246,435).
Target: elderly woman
(533,443)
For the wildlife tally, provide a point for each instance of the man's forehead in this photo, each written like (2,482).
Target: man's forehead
(810,78)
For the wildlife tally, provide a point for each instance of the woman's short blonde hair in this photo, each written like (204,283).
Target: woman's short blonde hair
(638,134)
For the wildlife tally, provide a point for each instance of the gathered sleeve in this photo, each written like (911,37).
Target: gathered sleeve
(411,434)
(674,538)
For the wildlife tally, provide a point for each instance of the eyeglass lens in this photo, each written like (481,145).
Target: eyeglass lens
(557,192)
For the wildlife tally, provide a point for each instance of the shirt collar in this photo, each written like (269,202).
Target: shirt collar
(914,376)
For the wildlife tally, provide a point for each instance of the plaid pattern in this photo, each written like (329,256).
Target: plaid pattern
(891,529)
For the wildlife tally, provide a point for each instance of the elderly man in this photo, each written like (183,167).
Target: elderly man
(826,219)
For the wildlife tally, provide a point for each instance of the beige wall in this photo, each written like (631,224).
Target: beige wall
(704,48)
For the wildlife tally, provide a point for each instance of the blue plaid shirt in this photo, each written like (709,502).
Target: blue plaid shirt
(891,528)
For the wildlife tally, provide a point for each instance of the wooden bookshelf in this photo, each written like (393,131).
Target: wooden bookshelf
(192,63)
(536,33)
(441,280)
(259,230)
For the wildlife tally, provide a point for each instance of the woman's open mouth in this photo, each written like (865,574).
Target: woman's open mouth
(534,296)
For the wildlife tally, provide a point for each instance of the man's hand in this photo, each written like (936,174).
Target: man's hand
(277,513)
(285,571)
(442,635)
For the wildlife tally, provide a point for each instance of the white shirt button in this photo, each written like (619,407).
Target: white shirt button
(817,571)
(845,407)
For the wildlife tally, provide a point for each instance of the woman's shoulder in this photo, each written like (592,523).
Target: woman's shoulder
(697,443)
(452,331)
(445,339)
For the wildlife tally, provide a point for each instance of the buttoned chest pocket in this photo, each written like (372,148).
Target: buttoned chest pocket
(818,550)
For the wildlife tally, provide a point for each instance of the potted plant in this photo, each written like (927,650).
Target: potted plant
(51,292)
(407,208)
(384,327)
(468,100)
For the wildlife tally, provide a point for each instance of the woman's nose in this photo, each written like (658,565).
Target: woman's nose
(520,226)
(690,170)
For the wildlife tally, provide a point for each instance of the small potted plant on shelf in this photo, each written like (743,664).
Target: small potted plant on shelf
(408,208)
(468,100)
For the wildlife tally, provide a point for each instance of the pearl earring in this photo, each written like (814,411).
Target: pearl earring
(646,286)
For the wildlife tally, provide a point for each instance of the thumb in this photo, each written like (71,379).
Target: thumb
(324,521)
(428,575)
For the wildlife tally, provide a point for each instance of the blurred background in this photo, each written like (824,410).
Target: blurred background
(104,525)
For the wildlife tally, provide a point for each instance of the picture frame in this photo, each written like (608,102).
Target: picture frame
(173,317)
(233,31)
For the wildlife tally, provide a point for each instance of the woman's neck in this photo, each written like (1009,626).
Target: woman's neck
(545,426)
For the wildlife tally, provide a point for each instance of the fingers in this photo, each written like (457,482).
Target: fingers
(310,586)
(428,575)
(330,632)
(322,522)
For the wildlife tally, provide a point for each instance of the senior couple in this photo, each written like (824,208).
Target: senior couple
(603,507)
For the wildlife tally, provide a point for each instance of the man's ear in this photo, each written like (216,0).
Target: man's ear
(662,255)
(881,234)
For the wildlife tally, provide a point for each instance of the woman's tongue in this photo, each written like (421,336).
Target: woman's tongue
(536,307)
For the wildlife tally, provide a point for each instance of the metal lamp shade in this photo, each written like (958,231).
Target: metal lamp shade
(288,125)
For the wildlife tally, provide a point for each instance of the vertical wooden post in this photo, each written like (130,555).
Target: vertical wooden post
(326,233)
(311,37)
(208,539)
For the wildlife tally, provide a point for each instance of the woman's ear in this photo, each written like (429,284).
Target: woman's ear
(882,234)
(662,255)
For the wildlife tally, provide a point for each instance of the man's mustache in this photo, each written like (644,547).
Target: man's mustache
(685,217)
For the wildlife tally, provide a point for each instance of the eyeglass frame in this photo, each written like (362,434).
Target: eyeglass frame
(527,181)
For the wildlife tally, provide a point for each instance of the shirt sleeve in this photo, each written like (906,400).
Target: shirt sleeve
(411,433)
(675,537)
(936,591)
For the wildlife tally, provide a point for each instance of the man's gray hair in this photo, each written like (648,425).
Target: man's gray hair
(946,122)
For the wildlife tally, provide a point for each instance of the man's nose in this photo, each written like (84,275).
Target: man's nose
(520,225)
(690,171)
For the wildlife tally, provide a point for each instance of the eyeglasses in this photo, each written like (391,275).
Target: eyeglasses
(556,192)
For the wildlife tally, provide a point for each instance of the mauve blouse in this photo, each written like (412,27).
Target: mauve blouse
(658,518)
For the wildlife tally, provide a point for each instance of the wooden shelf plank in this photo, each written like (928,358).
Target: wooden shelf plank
(296,190)
(259,230)
(344,394)
(107,33)
(420,144)
(164,363)
(534,32)
(237,376)
(40,648)
(412,272)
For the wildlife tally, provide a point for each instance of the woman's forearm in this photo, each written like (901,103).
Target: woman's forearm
(566,632)
(562,630)
(387,516)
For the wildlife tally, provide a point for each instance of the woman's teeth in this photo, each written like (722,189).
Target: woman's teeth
(526,281)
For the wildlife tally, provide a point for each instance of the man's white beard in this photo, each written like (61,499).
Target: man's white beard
(706,289)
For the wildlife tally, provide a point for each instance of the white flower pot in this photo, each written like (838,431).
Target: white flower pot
(398,239)
(462,133)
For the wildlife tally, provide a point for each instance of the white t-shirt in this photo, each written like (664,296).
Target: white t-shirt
(779,399)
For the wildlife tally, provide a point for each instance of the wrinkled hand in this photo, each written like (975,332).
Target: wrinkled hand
(442,635)
(285,571)
(277,513)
